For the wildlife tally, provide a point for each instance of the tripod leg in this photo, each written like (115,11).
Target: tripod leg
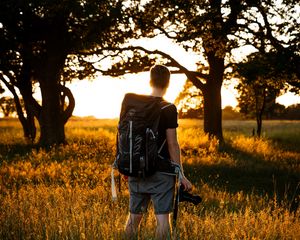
(175,211)
(120,182)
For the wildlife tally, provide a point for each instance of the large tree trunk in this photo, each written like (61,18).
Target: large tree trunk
(213,112)
(51,117)
(212,97)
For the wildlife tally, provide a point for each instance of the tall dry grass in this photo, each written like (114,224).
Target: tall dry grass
(249,188)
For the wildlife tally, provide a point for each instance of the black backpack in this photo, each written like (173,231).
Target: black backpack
(137,147)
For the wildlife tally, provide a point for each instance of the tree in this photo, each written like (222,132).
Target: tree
(282,30)
(42,41)
(211,29)
(267,72)
(260,84)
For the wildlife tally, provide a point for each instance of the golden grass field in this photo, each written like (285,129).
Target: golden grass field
(250,187)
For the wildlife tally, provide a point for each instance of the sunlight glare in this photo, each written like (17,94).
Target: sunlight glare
(102,97)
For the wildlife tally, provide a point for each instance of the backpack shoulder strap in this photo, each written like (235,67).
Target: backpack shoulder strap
(165,104)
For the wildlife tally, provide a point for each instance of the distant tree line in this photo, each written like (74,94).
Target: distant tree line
(192,111)
(277,112)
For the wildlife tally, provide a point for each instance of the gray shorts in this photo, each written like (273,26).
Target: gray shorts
(159,188)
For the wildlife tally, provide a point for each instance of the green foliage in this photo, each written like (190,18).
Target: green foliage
(261,82)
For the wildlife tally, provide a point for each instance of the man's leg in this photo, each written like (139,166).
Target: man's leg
(132,225)
(163,230)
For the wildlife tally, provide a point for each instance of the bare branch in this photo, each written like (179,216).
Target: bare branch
(192,76)
(270,36)
(166,33)
(70,108)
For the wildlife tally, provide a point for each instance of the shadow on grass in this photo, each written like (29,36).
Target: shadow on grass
(288,143)
(250,174)
(9,152)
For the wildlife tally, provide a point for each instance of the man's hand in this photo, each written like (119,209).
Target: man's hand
(186,184)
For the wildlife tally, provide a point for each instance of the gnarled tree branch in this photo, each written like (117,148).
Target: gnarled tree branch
(67,113)
(191,75)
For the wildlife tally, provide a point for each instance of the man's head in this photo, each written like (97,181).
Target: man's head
(159,77)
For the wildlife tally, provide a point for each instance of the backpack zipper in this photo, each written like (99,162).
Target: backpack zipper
(148,133)
(146,163)
(161,147)
(130,146)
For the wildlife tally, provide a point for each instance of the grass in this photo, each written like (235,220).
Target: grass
(250,188)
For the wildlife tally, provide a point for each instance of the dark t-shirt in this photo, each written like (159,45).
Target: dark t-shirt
(168,120)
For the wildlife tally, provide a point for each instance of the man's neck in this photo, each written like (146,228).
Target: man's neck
(158,92)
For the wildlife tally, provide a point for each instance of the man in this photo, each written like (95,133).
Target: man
(159,187)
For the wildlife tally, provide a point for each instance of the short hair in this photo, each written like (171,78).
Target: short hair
(159,76)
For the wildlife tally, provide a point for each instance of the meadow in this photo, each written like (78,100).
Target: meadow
(250,186)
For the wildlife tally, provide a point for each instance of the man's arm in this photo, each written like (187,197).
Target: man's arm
(174,151)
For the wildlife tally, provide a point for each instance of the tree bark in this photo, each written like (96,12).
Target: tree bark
(31,107)
(213,112)
(259,125)
(51,116)
(260,108)
(51,122)
(48,73)
(212,97)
